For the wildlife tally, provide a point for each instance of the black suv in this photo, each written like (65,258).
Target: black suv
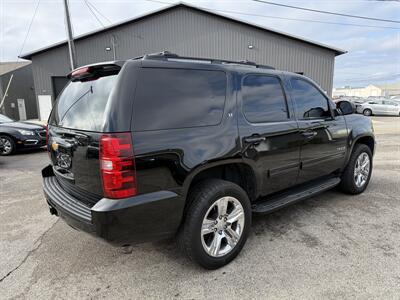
(164,145)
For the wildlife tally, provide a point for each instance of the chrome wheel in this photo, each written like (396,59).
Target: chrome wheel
(222,226)
(361,169)
(7,146)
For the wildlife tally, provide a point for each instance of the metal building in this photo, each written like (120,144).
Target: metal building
(20,101)
(186,30)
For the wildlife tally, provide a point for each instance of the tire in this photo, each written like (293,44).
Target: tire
(205,200)
(367,112)
(9,145)
(349,180)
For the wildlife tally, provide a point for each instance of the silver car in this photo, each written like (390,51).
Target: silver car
(379,107)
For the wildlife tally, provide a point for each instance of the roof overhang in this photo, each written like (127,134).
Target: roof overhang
(29,55)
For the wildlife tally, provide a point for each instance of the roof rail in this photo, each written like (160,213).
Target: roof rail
(166,55)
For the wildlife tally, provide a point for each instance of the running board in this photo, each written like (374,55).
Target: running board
(299,194)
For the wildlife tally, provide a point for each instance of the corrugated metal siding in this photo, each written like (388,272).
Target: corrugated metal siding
(190,33)
(21,87)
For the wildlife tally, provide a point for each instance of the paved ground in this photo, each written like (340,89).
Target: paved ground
(332,246)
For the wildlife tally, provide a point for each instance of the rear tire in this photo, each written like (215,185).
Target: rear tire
(207,238)
(355,179)
(367,112)
(9,145)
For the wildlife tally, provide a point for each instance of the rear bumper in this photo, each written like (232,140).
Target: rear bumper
(127,221)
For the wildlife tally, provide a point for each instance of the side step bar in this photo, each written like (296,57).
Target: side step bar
(299,194)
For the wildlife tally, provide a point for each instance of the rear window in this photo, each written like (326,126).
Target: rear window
(81,105)
(178,98)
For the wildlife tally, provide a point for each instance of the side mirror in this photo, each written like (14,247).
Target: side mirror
(346,107)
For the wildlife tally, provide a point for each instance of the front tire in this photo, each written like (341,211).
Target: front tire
(357,174)
(367,112)
(9,145)
(217,223)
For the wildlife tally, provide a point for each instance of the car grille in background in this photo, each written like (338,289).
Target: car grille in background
(41,133)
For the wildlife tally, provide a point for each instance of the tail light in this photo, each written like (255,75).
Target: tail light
(117,165)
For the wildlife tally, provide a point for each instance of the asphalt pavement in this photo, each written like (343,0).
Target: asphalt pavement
(332,246)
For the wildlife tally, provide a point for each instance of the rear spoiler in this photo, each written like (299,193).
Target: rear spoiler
(95,71)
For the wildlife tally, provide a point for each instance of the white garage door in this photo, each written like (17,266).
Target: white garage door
(44,106)
(21,109)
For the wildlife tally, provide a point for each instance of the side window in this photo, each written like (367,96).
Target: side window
(310,103)
(178,98)
(390,103)
(263,99)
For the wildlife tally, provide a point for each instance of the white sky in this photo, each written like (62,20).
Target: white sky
(373,53)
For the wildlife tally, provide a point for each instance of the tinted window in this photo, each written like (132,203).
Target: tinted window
(310,103)
(81,105)
(177,98)
(263,99)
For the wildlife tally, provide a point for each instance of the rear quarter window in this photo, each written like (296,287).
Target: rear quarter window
(178,98)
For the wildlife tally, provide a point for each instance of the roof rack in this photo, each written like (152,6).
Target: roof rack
(166,55)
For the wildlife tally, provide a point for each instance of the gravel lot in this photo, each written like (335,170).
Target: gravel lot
(331,246)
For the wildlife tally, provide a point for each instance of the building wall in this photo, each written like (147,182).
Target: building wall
(370,90)
(190,33)
(392,92)
(21,87)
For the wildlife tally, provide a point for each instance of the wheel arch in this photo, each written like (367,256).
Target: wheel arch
(366,139)
(235,170)
(7,134)
(2,133)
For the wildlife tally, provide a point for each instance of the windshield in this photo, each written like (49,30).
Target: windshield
(4,119)
(81,105)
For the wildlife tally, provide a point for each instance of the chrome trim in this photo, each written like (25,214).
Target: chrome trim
(31,142)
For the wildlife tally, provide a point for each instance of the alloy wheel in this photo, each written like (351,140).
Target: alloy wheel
(361,169)
(7,146)
(222,226)
(367,112)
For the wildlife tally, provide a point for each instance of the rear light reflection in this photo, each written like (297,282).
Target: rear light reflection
(47,141)
(81,71)
(117,165)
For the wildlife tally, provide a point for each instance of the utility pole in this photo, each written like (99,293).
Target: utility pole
(5,94)
(71,45)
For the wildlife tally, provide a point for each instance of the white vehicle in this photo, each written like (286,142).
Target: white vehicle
(379,107)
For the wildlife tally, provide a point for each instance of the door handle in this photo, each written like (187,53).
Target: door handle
(254,139)
(309,135)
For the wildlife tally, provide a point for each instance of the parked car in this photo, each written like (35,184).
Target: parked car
(164,145)
(357,101)
(379,107)
(395,98)
(20,135)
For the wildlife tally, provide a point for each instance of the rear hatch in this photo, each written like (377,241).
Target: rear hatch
(75,129)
